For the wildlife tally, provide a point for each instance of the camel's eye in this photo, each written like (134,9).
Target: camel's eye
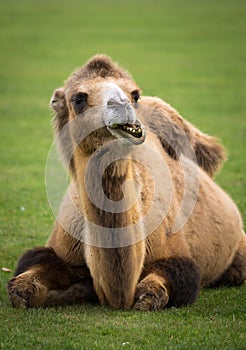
(79,101)
(135,95)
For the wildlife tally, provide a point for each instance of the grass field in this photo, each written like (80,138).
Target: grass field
(191,53)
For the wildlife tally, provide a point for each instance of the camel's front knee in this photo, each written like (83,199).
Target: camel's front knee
(168,282)
(26,290)
(38,271)
(151,294)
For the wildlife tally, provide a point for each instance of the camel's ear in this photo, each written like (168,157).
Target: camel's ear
(59,105)
(61,118)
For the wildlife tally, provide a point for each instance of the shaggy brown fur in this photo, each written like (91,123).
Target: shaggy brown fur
(126,258)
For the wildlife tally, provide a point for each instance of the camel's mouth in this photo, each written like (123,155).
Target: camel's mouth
(135,133)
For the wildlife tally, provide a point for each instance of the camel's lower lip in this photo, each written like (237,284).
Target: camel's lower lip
(134,133)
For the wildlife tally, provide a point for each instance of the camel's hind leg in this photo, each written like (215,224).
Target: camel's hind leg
(43,279)
(235,275)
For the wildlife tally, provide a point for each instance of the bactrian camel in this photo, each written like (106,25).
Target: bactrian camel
(142,225)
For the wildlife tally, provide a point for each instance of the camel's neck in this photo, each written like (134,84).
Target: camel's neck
(108,189)
(114,247)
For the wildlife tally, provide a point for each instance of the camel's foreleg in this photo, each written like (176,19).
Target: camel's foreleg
(42,279)
(168,282)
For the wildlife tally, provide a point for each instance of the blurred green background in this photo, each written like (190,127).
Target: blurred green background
(192,54)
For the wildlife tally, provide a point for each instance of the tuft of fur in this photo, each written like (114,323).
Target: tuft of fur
(99,66)
(210,154)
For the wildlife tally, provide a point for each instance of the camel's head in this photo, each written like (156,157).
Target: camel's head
(102,97)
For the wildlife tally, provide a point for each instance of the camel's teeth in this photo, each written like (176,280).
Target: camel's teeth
(133,130)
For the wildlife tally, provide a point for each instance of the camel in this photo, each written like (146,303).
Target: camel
(142,225)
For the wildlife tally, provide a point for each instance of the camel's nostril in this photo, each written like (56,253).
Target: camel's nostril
(112,102)
(117,102)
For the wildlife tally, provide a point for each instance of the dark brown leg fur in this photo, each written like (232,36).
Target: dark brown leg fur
(43,279)
(170,282)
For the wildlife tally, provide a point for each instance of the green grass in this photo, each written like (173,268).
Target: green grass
(192,53)
(206,325)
